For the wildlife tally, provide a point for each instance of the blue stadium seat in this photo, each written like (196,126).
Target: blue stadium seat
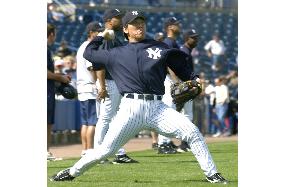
(207,23)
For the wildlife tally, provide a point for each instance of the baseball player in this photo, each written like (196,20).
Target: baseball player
(87,91)
(139,69)
(172,28)
(158,37)
(51,78)
(190,38)
(106,85)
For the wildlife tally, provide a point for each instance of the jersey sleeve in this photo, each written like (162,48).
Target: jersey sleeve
(207,46)
(181,64)
(98,57)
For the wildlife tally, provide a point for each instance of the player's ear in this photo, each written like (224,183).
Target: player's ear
(125,30)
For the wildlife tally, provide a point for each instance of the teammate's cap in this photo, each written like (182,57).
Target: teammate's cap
(95,27)
(171,21)
(110,13)
(190,33)
(132,15)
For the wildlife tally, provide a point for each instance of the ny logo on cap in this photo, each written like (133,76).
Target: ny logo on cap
(117,10)
(154,54)
(193,31)
(134,13)
(174,18)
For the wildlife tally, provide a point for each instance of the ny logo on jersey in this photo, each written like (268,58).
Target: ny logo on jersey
(154,54)
(134,13)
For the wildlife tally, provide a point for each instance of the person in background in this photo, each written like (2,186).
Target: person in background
(190,38)
(159,36)
(221,107)
(51,78)
(87,91)
(215,50)
(108,92)
(172,29)
(63,50)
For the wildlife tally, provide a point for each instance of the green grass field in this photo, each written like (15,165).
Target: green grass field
(154,170)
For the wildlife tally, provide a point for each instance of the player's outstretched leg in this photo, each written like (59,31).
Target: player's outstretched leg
(171,123)
(123,127)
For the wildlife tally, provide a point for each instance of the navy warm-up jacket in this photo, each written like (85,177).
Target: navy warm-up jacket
(140,67)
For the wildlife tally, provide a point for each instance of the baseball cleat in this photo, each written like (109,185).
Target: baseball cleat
(172,145)
(63,175)
(217,134)
(217,178)
(166,149)
(184,147)
(123,159)
(50,157)
(155,146)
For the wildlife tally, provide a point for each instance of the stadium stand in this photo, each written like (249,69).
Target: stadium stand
(205,21)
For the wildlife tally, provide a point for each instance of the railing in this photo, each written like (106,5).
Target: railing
(214,5)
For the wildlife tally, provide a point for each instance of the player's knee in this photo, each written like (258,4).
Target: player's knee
(106,152)
(191,134)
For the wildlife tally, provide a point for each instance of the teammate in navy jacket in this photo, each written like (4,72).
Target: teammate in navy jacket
(51,78)
(139,70)
(107,89)
(172,30)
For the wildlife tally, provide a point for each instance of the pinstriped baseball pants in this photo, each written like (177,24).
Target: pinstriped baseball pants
(135,115)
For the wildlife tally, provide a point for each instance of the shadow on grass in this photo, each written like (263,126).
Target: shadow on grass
(58,167)
(176,161)
(202,181)
(155,181)
(164,155)
(221,151)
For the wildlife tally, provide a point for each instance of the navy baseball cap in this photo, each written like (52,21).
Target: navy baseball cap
(130,16)
(94,26)
(110,13)
(171,21)
(190,33)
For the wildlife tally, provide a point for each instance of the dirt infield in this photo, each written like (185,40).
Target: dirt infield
(136,144)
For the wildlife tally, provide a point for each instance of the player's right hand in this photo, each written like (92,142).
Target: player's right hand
(107,34)
(65,78)
(102,94)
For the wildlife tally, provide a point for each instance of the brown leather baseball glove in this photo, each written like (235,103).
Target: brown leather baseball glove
(184,91)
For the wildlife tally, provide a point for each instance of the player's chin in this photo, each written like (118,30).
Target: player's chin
(140,36)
